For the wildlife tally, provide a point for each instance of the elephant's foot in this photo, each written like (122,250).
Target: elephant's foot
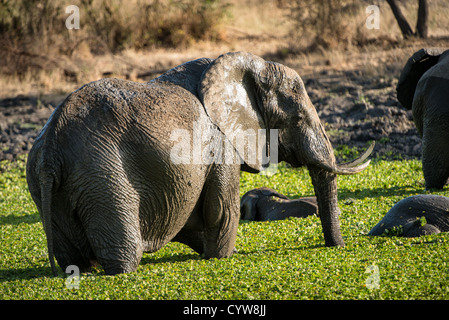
(435,182)
(118,260)
(219,247)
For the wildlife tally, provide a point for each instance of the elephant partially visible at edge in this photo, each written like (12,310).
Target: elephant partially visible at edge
(423,87)
(415,216)
(265,204)
(116,172)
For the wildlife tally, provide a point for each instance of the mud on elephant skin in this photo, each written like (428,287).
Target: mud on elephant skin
(415,216)
(423,87)
(265,204)
(114,172)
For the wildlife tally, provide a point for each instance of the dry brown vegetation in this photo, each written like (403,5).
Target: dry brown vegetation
(140,38)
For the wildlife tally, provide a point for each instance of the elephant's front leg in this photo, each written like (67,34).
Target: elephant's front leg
(221,211)
(435,154)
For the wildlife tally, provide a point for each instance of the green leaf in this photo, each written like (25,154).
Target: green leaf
(422,221)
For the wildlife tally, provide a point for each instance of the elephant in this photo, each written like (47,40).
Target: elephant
(121,167)
(415,216)
(265,204)
(423,87)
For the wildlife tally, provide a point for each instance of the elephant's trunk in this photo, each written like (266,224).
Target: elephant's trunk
(324,178)
(325,185)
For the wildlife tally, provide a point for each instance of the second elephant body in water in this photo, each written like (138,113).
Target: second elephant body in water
(265,204)
(415,216)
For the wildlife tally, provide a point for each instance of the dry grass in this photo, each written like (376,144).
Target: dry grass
(33,34)
(264,27)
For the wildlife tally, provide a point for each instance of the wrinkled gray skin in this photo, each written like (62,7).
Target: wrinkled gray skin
(423,87)
(104,179)
(265,204)
(407,215)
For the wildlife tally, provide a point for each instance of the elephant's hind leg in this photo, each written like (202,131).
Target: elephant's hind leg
(71,247)
(66,253)
(435,157)
(114,235)
(221,211)
(435,175)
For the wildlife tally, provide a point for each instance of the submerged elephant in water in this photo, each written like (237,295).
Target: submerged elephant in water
(123,168)
(264,204)
(415,216)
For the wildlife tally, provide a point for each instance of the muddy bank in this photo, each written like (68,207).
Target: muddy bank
(357,111)
(21,119)
(354,112)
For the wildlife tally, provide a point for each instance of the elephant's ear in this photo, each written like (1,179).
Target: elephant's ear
(229,92)
(416,66)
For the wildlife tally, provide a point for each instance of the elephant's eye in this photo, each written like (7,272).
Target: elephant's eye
(296,90)
(301,118)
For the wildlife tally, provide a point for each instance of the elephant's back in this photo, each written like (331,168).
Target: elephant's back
(120,104)
(114,138)
(114,123)
(432,89)
(106,114)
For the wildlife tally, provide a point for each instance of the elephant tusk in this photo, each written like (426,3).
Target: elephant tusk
(352,170)
(353,167)
(344,170)
(359,160)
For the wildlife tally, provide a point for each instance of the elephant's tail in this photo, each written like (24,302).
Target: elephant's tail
(46,183)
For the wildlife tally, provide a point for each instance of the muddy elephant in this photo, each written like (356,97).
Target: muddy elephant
(423,87)
(415,216)
(265,204)
(122,168)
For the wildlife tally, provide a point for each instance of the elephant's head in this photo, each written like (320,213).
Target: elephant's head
(416,66)
(242,92)
(248,202)
(265,204)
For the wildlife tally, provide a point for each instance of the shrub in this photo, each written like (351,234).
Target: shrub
(324,22)
(33,33)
